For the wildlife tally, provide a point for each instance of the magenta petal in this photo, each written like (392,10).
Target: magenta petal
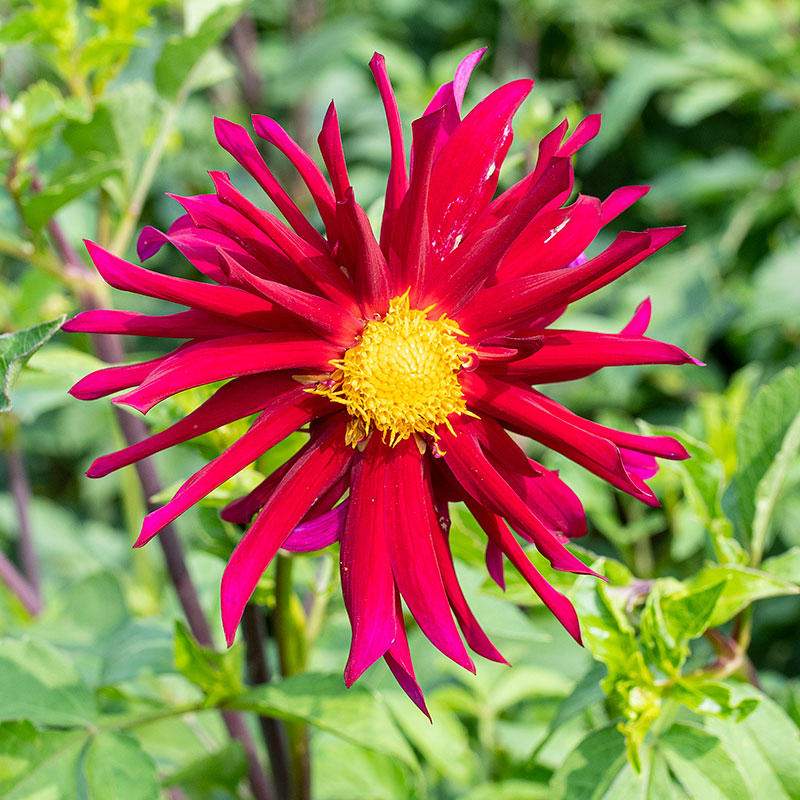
(398,659)
(106,381)
(235,400)
(311,174)
(642,465)
(639,321)
(304,482)
(542,419)
(620,200)
(494,564)
(330,320)
(367,583)
(224,300)
(412,553)
(397,185)
(330,145)
(371,272)
(205,362)
(410,254)
(586,130)
(483,483)
(473,633)
(502,537)
(465,174)
(192,324)
(319,532)
(282,416)
(236,140)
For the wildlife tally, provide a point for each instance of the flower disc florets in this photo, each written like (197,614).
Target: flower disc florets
(401,377)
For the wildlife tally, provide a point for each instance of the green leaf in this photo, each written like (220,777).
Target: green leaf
(707,697)
(16,348)
(83,175)
(117,767)
(767,742)
(354,714)
(742,586)
(182,54)
(586,693)
(219,675)
(223,769)
(39,764)
(768,439)
(444,745)
(39,684)
(786,566)
(674,615)
(776,292)
(590,771)
(701,764)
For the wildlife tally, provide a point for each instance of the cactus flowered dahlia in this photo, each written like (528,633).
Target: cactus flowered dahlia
(408,358)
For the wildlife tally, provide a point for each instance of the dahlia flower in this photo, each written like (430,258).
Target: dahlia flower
(409,358)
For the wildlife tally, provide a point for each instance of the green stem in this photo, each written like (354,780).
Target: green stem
(119,244)
(290,637)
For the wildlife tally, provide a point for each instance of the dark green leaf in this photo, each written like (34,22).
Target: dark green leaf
(223,769)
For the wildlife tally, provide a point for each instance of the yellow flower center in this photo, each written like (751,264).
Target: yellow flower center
(401,378)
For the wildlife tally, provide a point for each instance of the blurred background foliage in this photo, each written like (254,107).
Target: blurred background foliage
(685,689)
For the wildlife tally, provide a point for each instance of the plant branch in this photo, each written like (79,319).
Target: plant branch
(109,348)
(17,584)
(21,491)
(272,730)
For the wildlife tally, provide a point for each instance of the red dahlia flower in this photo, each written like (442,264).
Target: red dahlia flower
(409,359)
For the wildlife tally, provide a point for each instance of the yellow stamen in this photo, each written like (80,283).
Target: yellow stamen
(401,378)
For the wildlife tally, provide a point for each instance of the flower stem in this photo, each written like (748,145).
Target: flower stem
(290,637)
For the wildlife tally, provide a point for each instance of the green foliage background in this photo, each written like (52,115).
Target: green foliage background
(688,687)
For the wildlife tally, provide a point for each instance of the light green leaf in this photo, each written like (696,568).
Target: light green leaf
(742,587)
(39,208)
(701,764)
(117,767)
(786,566)
(444,745)
(219,675)
(182,53)
(16,348)
(703,98)
(39,765)
(776,290)
(39,684)
(586,693)
(768,439)
(354,714)
(509,790)
(706,697)
(224,769)
(767,742)
(592,768)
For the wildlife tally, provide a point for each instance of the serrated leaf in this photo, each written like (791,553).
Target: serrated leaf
(355,714)
(38,683)
(701,764)
(16,348)
(116,767)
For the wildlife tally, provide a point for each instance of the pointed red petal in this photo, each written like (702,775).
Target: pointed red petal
(304,482)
